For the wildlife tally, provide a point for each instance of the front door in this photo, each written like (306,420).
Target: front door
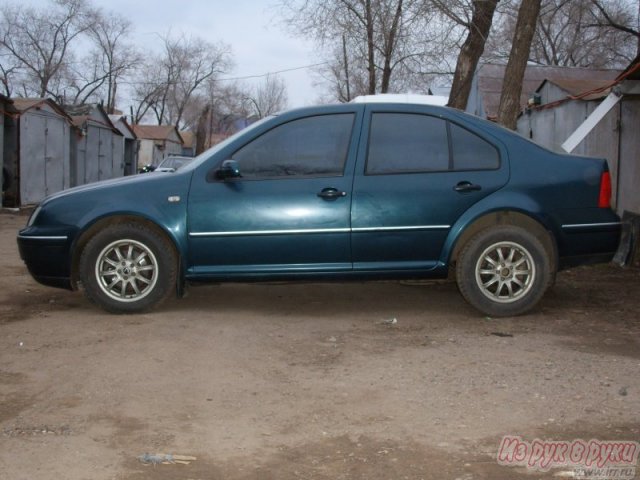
(290,210)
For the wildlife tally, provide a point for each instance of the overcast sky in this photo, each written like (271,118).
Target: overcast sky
(260,44)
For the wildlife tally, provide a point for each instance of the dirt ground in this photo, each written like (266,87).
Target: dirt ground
(309,381)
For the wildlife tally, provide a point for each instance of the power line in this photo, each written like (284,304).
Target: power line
(231,79)
(271,73)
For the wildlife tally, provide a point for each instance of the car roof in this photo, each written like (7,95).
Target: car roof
(411,98)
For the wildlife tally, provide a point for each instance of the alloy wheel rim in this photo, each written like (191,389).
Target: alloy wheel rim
(505,272)
(126,270)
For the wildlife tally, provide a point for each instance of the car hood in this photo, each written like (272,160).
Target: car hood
(133,181)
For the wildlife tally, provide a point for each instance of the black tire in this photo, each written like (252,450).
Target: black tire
(504,271)
(128,268)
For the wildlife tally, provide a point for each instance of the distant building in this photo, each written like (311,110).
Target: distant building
(131,144)
(97,146)
(156,143)
(38,160)
(189,145)
(486,88)
(7,122)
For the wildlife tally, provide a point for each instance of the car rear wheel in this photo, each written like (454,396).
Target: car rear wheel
(128,268)
(504,271)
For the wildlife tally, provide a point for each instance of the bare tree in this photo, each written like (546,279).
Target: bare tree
(80,80)
(350,20)
(371,46)
(344,75)
(169,82)
(268,97)
(148,87)
(574,33)
(216,112)
(478,30)
(40,40)
(116,57)
(619,16)
(514,73)
(9,69)
(201,129)
(184,65)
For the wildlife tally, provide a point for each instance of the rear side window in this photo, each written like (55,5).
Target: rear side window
(404,143)
(470,152)
(415,143)
(312,146)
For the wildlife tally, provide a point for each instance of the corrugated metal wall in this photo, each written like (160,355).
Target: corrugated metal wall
(10,162)
(99,155)
(2,107)
(130,163)
(117,155)
(628,178)
(44,155)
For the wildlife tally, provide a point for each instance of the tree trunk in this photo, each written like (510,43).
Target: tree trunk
(471,52)
(371,64)
(201,130)
(389,49)
(44,85)
(346,68)
(111,95)
(514,74)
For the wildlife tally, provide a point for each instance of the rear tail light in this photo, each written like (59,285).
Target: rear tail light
(604,200)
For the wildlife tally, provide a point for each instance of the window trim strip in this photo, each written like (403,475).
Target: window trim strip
(269,232)
(400,228)
(42,237)
(572,226)
(318,230)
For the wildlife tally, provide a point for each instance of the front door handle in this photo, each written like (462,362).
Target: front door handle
(331,193)
(464,187)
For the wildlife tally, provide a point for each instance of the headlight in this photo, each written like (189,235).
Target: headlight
(33,216)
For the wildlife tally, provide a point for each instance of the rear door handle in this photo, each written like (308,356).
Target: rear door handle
(331,193)
(464,187)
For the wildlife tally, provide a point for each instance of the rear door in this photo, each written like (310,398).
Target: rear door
(417,173)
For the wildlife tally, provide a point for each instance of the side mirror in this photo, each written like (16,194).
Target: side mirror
(228,169)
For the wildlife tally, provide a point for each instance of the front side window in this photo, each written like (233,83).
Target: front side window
(311,146)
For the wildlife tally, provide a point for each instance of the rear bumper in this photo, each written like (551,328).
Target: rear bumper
(628,252)
(47,258)
(588,243)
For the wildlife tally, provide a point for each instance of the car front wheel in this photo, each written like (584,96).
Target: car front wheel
(128,268)
(504,271)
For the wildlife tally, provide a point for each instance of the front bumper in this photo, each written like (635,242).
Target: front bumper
(47,257)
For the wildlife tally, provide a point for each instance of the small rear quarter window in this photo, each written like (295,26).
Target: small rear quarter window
(470,152)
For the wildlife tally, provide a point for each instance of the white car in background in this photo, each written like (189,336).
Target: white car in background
(172,163)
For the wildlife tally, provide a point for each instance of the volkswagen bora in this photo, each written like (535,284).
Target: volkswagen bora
(355,191)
